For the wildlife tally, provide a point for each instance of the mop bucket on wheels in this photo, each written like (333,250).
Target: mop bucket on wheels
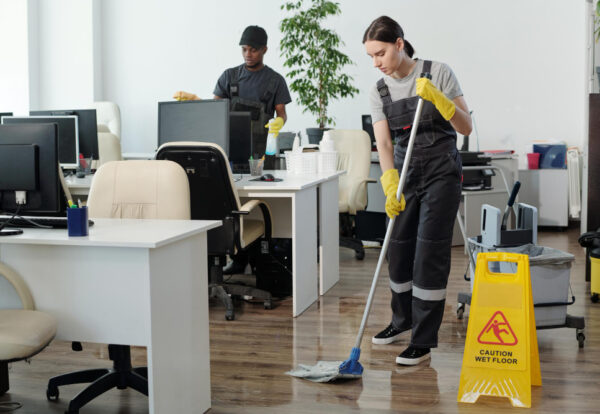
(550,284)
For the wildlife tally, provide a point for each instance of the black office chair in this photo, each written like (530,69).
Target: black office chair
(214,197)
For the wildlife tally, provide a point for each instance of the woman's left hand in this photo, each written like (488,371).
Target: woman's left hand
(427,90)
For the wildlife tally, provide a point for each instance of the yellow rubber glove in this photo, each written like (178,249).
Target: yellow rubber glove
(389,182)
(428,91)
(275,126)
(185,96)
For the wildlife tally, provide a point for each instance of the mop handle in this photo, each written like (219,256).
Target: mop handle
(388,233)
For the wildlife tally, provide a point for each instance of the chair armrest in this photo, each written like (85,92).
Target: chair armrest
(266,213)
(19,284)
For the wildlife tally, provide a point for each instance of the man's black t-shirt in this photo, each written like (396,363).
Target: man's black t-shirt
(252,86)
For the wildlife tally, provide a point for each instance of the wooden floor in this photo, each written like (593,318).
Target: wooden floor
(250,355)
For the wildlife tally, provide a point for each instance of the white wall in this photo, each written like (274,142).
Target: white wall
(15,91)
(67,72)
(522,65)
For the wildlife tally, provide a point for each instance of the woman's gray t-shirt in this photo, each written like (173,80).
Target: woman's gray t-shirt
(442,77)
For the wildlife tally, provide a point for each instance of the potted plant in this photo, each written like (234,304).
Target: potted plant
(312,54)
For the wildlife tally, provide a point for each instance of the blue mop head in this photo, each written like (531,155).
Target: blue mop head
(351,366)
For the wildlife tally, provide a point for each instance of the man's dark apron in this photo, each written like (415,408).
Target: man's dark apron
(419,250)
(259,112)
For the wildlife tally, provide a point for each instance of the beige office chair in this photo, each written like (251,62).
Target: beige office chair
(145,189)
(214,197)
(354,156)
(23,332)
(108,114)
(109,146)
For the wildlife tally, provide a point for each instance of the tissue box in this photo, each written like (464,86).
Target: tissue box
(552,155)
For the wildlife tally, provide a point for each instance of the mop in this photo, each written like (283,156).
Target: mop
(327,371)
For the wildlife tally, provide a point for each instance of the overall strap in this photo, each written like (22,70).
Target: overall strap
(270,91)
(234,81)
(427,66)
(384,92)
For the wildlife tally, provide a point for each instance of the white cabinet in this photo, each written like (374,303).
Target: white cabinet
(548,190)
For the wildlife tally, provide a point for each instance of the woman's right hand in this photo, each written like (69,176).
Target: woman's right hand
(389,182)
(185,96)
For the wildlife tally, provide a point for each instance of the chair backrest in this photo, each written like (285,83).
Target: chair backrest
(109,147)
(109,114)
(212,189)
(354,156)
(141,189)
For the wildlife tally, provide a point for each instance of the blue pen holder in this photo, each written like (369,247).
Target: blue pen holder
(77,221)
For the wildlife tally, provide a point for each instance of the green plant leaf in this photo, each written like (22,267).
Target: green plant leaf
(311,52)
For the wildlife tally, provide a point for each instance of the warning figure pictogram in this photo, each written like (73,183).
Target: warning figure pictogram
(497,331)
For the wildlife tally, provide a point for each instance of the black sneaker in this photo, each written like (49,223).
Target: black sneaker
(388,335)
(412,356)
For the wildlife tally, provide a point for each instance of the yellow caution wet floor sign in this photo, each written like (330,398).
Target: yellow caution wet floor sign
(501,352)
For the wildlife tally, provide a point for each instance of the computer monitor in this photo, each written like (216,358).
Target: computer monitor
(68,144)
(199,121)
(367,125)
(29,162)
(87,126)
(240,140)
(5,114)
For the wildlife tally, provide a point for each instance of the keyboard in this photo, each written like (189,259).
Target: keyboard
(53,222)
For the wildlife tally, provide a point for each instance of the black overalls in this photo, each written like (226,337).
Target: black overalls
(259,113)
(419,249)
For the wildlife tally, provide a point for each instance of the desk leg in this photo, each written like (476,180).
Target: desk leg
(304,249)
(329,236)
(179,351)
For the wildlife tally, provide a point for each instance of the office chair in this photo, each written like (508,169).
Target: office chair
(354,156)
(23,332)
(108,114)
(109,146)
(144,189)
(214,197)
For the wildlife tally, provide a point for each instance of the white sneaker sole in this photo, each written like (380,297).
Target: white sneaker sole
(391,339)
(412,361)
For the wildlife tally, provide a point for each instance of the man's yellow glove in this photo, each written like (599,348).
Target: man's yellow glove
(428,91)
(389,182)
(275,126)
(185,96)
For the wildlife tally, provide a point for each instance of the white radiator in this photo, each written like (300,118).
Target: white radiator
(574,166)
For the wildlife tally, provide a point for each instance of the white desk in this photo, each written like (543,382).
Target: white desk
(79,186)
(134,282)
(298,205)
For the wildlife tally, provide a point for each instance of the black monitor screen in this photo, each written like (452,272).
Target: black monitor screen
(240,138)
(198,121)
(86,125)
(68,146)
(367,125)
(4,114)
(31,142)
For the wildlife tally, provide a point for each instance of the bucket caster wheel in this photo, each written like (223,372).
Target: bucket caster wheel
(580,337)
(460,311)
(595,297)
(360,254)
(52,393)
(229,315)
(268,304)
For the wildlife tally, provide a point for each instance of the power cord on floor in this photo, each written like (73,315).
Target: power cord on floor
(9,406)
